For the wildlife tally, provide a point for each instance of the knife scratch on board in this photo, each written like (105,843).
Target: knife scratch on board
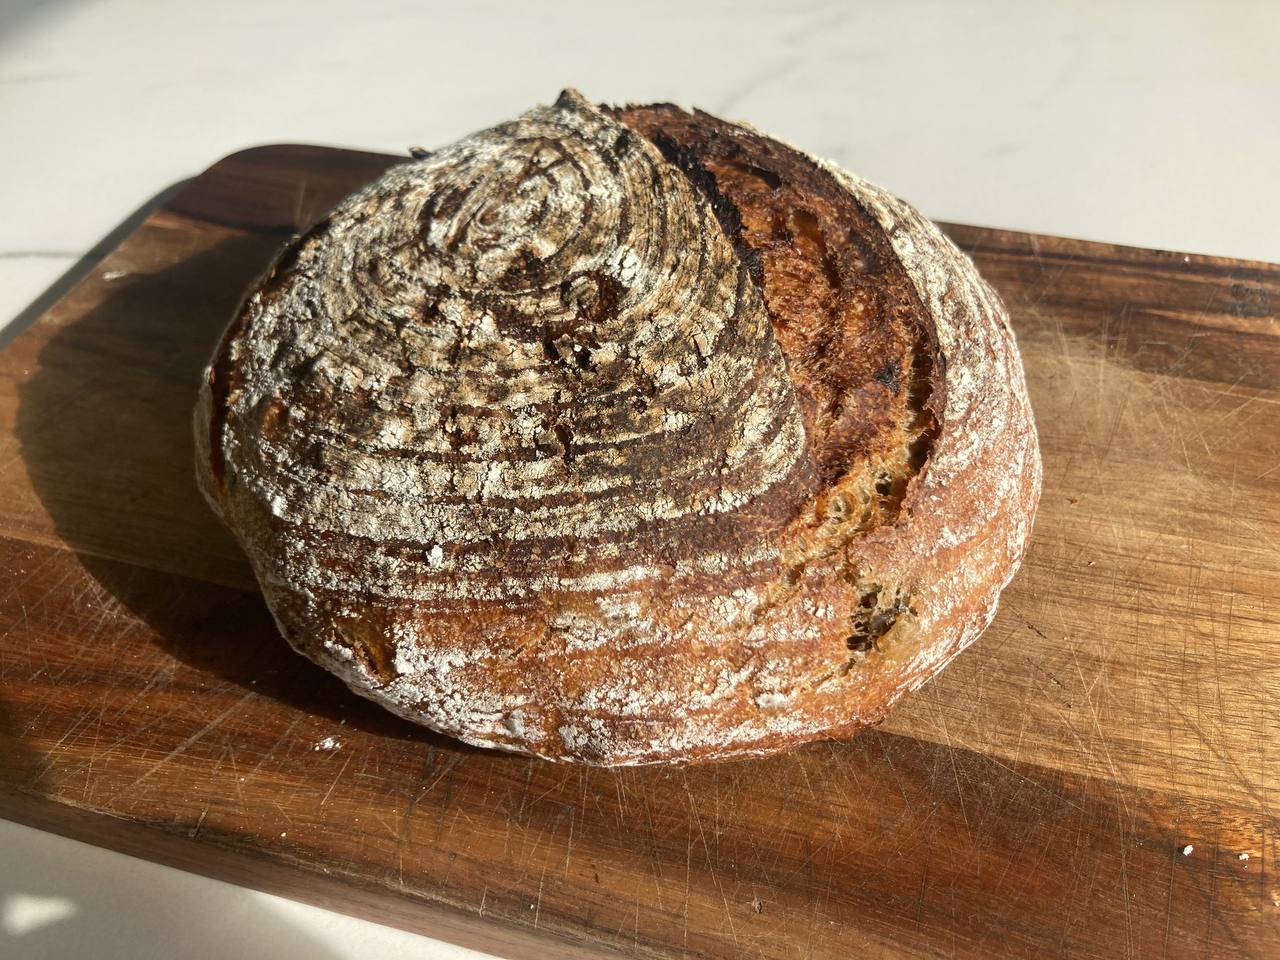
(180,748)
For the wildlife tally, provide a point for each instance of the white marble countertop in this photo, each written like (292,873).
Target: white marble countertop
(1147,123)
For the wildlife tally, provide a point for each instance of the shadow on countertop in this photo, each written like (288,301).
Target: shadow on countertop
(14,15)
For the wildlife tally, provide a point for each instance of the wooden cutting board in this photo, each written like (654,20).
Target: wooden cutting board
(1097,777)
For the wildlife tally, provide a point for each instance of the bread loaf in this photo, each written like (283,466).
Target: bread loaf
(624,435)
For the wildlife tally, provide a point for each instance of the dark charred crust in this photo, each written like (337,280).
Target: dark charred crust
(704,182)
(565,436)
(888,375)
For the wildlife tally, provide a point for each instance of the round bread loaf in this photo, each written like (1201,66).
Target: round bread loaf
(624,435)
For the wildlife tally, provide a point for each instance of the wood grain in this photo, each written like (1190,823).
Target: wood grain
(1033,801)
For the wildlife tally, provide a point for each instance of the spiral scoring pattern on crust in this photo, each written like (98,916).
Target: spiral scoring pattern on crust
(534,347)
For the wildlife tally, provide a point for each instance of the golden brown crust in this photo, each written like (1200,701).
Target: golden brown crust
(624,436)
